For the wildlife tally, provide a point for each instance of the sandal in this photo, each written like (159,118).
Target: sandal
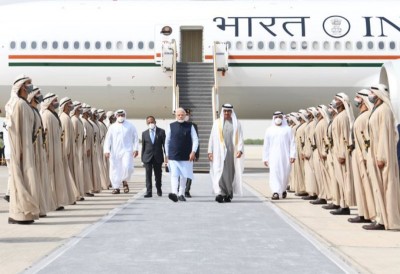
(275,196)
(126,187)
(115,191)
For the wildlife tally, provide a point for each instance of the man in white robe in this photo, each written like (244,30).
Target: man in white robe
(279,151)
(121,146)
(382,160)
(181,143)
(225,152)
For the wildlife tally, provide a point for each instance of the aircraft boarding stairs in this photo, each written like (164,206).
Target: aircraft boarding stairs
(195,81)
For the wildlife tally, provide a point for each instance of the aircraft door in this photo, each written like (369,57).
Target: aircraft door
(191,44)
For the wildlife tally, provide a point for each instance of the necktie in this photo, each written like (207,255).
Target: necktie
(152,136)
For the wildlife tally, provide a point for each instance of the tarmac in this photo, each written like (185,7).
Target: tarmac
(127,233)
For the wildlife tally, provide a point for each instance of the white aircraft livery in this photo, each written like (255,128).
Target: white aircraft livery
(262,56)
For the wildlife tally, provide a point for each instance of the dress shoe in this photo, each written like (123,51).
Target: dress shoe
(331,206)
(59,208)
(275,196)
(42,215)
(12,221)
(219,198)
(81,199)
(374,226)
(173,197)
(284,195)
(227,199)
(88,194)
(181,198)
(7,198)
(187,195)
(319,202)
(301,194)
(310,197)
(159,192)
(148,195)
(358,219)
(341,211)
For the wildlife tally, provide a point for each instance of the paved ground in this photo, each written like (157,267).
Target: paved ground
(256,236)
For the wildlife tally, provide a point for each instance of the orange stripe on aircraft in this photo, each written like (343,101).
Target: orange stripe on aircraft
(309,57)
(122,57)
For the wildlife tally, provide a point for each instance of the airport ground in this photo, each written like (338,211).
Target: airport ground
(42,247)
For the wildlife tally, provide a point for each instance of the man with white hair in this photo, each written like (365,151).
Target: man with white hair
(181,143)
(67,142)
(225,151)
(121,146)
(279,151)
(382,160)
(77,159)
(341,126)
(24,194)
(362,183)
(53,130)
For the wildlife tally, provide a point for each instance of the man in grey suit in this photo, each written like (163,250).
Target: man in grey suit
(153,152)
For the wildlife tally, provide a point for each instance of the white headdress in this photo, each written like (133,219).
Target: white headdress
(63,103)
(34,92)
(19,81)
(47,100)
(348,107)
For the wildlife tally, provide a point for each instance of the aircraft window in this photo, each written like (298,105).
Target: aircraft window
(282,45)
(381,45)
(293,45)
(326,45)
(315,45)
(370,45)
(108,45)
(260,45)
(55,44)
(23,45)
(44,45)
(119,45)
(65,45)
(349,45)
(359,45)
(33,45)
(140,45)
(271,45)
(392,45)
(151,45)
(338,46)
(13,44)
(239,45)
(228,44)
(129,45)
(97,45)
(76,45)
(304,45)
(249,45)
(87,45)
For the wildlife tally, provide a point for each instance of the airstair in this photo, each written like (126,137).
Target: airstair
(196,81)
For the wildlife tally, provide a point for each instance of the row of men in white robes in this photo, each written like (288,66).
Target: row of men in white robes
(349,161)
(55,158)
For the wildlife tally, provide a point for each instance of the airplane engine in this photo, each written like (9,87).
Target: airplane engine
(390,76)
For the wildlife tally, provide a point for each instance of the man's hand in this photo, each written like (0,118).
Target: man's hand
(239,154)
(135,154)
(210,157)
(192,156)
(292,160)
(266,163)
(107,155)
(380,164)
(342,160)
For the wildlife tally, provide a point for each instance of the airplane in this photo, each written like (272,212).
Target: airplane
(264,55)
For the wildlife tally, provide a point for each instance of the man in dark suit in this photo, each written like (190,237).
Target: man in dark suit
(189,181)
(153,152)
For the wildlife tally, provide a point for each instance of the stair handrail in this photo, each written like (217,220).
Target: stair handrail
(214,95)
(175,87)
